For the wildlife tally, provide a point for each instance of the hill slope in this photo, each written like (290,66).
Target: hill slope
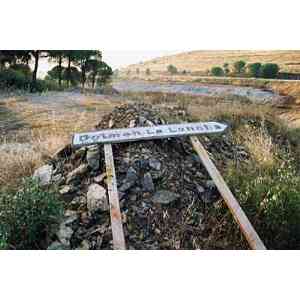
(201,61)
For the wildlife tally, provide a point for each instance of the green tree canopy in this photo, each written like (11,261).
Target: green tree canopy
(254,69)
(57,56)
(217,71)
(72,76)
(172,69)
(239,66)
(269,70)
(81,59)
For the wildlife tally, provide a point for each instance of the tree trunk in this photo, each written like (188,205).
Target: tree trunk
(36,55)
(59,74)
(69,70)
(93,81)
(83,75)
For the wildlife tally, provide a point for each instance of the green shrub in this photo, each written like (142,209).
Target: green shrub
(270,198)
(10,78)
(239,66)
(269,70)
(254,69)
(172,69)
(217,71)
(25,69)
(28,216)
(3,244)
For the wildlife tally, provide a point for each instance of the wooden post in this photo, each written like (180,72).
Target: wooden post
(115,213)
(237,212)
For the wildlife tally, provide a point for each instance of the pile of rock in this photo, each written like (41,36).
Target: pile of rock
(163,189)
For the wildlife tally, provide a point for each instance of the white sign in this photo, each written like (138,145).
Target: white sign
(146,133)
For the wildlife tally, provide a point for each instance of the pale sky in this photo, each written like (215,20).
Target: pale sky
(117,59)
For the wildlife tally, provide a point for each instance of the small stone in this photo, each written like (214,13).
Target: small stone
(164,197)
(64,234)
(96,198)
(77,202)
(196,158)
(211,194)
(100,178)
(65,189)
(57,179)
(58,246)
(133,197)
(81,170)
(210,184)
(80,153)
(154,164)
(111,123)
(121,195)
(149,123)
(93,157)
(84,245)
(147,183)
(43,175)
(142,120)
(132,124)
(70,213)
(200,189)
(130,180)
(141,164)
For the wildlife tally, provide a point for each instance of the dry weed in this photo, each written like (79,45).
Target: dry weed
(259,144)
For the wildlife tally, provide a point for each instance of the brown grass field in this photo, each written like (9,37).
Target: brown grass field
(201,61)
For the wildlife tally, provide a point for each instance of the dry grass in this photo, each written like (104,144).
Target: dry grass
(259,144)
(16,165)
(46,131)
(200,61)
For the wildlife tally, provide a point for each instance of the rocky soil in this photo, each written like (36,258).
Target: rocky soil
(165,193)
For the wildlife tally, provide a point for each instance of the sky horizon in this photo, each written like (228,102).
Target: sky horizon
(119,59)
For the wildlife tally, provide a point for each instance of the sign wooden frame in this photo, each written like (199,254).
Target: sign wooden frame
(107,137)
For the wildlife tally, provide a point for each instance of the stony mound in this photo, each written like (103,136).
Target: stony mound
(164,191)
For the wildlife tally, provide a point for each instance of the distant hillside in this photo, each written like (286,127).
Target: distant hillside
(199,62)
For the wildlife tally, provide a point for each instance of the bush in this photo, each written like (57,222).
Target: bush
(271,200)
(28,216)
(47,84)
(226,68)
(10,78)
(269,70)
(217,71)
(172,69)
(25,69)
(239,66)
(254,69)
(75,76)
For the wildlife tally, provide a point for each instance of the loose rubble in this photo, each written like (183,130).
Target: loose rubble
(163,188)
(43,174)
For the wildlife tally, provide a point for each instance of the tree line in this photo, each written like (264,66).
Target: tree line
(238,68)
(72,67)
(241,68)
